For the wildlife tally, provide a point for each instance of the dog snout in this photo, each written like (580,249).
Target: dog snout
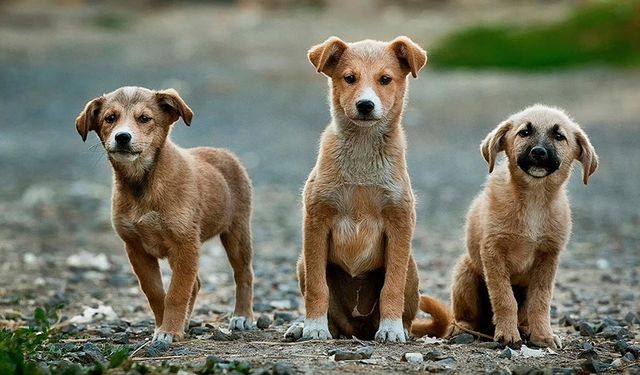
(123,138)
(365,107)
(539,153)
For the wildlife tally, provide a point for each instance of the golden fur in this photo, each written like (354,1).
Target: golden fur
(517,227)
(356,271)
(168,200)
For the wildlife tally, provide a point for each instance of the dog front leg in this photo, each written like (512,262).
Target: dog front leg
(184,266)
(147,271)
(539,301)
(503,302)
(316,289)
(399,225)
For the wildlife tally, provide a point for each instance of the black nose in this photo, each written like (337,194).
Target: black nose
(365,106)
(123,138)
(538,153)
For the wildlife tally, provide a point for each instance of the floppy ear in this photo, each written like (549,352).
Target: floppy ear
(411,56)
(172,103)
(325,56)
(494,143)
(586,155)
(87,120)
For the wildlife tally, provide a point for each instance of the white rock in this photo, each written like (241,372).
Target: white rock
(89,314)
(87,260)
(414,357)
(283,304)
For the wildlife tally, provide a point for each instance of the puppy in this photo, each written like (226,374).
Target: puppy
(356,271)
(168,200)
(518,225)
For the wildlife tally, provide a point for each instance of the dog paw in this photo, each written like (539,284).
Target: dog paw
(316,329)
(241,323)
(294,332)
(509,337)
(550,341)
(164,337)
(391,330)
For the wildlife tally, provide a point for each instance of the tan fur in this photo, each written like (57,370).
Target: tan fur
(356,266)
(168,200)
(516,228)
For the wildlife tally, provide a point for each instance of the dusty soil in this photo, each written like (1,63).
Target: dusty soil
(245,75)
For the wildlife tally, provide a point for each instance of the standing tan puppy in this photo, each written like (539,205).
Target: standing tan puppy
(518,225)
(356,272)
(168,200)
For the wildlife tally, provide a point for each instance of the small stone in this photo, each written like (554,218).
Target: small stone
(350,355)
(606,322)
(157,348)
(615,332)
(184,352)
(121,338)
(218,335)
(629,357)
(413,357)
(285,316)
(632,318)
(435,355)
(588,354)
(463,338)
(446,364)
(506,353)
(587,329)
(593,365)
(278,322)
(493,345)
(264,321)
(587,345)
(568,320)
(93,352)
(106,331)
(616,363)
(281,368)
(633,349)
(621,346)
(197,331)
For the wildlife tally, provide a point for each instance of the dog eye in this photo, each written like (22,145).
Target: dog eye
(144,119)
(524,132)
(350,79)
(385,80)
(559,137)
(110,119)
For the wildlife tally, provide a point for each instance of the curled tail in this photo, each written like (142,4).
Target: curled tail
(441,318)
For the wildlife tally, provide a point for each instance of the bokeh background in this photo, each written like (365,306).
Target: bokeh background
(242,67)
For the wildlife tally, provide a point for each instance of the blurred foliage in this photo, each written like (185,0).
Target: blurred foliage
(605,32)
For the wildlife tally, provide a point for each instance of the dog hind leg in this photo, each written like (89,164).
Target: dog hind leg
(237,244)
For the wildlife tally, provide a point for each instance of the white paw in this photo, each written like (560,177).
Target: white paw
(162,336)
(294,332)
(316,329)
(241,323)
(391,330)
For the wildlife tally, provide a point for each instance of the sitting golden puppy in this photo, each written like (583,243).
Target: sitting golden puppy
(518,225)
(168,200)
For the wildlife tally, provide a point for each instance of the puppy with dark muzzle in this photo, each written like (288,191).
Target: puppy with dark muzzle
(518,225)
(168,200)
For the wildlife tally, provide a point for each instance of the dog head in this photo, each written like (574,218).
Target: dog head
(132,122)
(367,78)
(542,142)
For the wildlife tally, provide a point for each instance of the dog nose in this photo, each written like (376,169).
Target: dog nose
(538,153)
(123,138)
(365,106)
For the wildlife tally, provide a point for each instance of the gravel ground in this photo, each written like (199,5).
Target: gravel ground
(247,79)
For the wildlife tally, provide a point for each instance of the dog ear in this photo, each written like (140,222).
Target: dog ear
(586,155)
(411,56)
(87,119)
(325,56)
(171,102)
(494,143)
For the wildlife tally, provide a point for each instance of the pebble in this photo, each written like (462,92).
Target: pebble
(463,338)
(441,365)
(264,321)
(93,352)
(615,332)
(281,368)
(632,318)
(345,355)
(593,365)
(493,345)
(218,335)
(183,352)
(587,329)
(413,357)
(568,320)
(197,331)
(435,355)
(106,331)
(284,316)
(506,353)
(157,348)
(121,338)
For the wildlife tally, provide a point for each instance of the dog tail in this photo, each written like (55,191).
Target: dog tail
(441,320)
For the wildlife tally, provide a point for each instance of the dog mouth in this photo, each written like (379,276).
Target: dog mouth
(364,121)
(538,170)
